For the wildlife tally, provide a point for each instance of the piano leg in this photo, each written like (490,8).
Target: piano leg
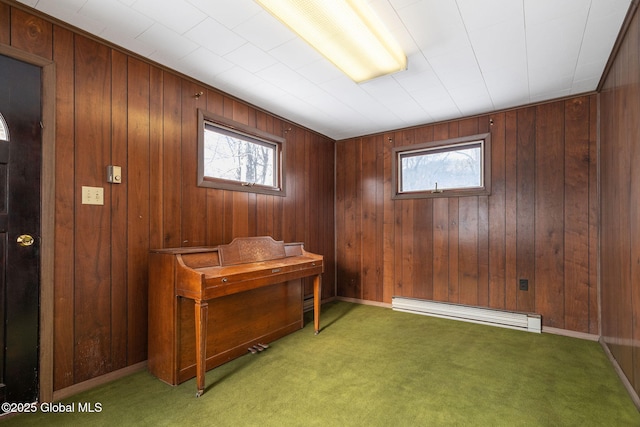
(201,315)
(317,296)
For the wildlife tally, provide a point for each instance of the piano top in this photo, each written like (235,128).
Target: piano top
(242,250)
(245,263)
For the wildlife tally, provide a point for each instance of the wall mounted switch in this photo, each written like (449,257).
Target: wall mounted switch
(92,195)
(114,174)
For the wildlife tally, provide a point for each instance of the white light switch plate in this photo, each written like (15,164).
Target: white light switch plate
(92,195)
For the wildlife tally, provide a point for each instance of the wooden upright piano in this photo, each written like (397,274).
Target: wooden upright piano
(208,305)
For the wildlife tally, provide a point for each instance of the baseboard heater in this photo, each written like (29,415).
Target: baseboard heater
(486,316)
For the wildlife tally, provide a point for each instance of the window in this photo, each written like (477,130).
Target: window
(4,129)
(233,156)
(451,168)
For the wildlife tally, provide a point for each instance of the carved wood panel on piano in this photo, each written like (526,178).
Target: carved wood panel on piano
(218,302)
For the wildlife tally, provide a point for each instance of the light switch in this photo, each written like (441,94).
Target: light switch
(92,195)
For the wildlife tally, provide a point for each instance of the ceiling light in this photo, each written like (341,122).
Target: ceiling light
(347,32)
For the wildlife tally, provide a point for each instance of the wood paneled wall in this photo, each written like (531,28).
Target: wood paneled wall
(620,205)
(539,223)
(114,108)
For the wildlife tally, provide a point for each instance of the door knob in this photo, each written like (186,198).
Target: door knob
(25,240)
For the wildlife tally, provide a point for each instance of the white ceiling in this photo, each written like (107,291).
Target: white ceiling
(466,57)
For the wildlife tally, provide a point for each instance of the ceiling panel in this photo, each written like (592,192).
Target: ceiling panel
(465,57)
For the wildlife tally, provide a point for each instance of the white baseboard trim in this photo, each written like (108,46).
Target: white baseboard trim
(94,382)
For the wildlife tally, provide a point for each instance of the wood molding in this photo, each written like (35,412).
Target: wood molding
(625,381)
(95,382)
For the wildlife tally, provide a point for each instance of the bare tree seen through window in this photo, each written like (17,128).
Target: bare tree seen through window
(231,158)
(447,168)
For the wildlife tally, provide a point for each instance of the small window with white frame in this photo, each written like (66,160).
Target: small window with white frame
(233,156)
(451,168)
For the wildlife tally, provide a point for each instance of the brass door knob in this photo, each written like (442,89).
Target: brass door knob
(25,240)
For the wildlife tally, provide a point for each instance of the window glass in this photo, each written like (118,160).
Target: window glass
(443,169)
(231,157)
(454,167)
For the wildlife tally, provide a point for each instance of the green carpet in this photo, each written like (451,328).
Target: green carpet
(371,366)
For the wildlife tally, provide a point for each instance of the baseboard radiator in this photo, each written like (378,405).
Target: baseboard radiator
(486,316)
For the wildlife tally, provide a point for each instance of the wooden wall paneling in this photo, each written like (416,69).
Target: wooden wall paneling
(468,234)
(594,293)
(5,24)
(156,154)
(340,217)
(620,197)
(511,210)
(240,113)
(240,213)
(172,162)
(138,208)
(483,234)
(227,216)
(454,250)
(292,169)
(380,202)
(622,176)
(423,248)
(388,219)
(440,233)
(312,166)
(496,216)
(404,248)
(215,217)
(549,213)
(404,231)
(633,137)
(525,199)
(351,275)
(119,246)
(370,272)
(194,219)
(454,235)
(604,217)
(64,257)
(468,250)
(423,234)
(92,266)
(31,33)
(576,215)
(440,249)
(609,230)
(302,182)
(328,230)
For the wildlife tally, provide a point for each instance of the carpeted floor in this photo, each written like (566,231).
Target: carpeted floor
(371,366)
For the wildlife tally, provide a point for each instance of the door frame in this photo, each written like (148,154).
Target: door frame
(47,219)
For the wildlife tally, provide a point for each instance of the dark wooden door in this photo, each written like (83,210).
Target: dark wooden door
(20,169)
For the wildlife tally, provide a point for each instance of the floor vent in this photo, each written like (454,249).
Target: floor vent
(486,316)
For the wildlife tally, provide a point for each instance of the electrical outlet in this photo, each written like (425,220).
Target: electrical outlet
(92,195)
(523,284)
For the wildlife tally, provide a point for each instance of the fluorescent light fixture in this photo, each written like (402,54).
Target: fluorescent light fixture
(347,32)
